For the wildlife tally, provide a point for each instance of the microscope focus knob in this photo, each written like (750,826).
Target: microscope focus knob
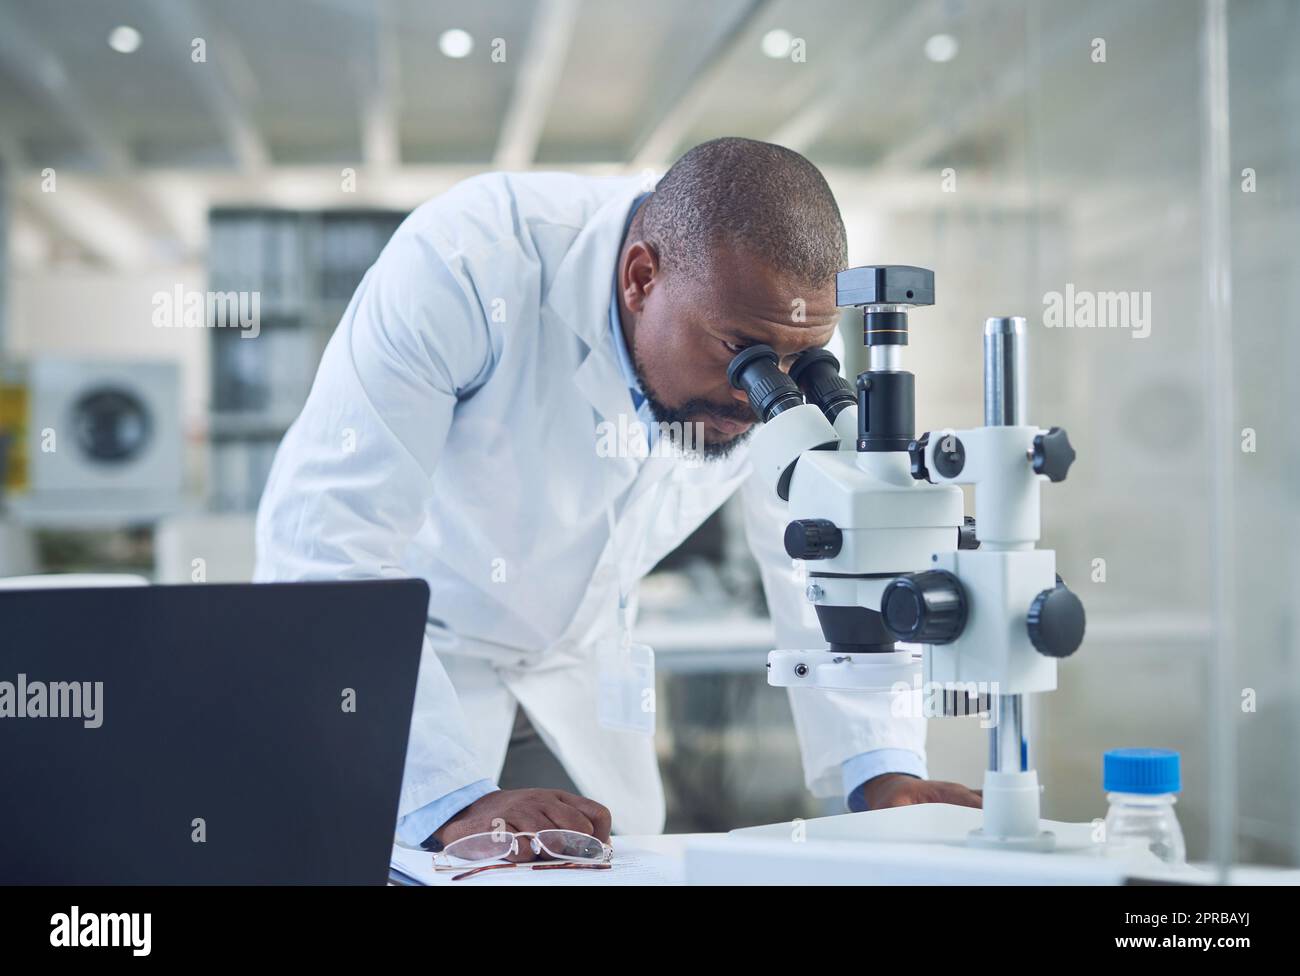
(925,608)
(916,452)
(1052,454)
(966,537)
(813,539)
(1056,622)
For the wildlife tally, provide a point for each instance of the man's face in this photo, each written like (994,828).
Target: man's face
(685,332)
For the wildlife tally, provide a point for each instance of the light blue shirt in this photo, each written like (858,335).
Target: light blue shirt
(856,772)
(415,828)
(624,357)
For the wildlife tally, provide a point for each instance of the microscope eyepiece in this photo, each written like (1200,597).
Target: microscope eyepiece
(756,371)
(817,373)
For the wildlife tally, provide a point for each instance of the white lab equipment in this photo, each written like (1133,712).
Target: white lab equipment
(921,844)
(103,442)
(877,514)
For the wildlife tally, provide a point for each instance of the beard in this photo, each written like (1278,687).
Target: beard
(675,419)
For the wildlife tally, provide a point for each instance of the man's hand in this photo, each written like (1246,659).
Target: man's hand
(900,790)
(527,811)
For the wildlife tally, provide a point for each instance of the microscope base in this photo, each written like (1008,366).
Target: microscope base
(1011,822)
(1043,842)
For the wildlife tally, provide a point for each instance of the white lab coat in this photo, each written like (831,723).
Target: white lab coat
(451,435)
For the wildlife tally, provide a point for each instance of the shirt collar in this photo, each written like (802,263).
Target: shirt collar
(616,327)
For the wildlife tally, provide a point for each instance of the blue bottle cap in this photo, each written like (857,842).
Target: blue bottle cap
(1140,771)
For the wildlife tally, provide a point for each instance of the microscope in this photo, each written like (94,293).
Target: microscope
(878,515)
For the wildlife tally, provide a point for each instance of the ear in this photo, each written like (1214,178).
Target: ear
(638,274)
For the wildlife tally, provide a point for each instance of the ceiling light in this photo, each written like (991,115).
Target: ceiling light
(455,43)
(776,43)
(941,48)
(124,39)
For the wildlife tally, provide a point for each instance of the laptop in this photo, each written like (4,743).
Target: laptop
(209,734)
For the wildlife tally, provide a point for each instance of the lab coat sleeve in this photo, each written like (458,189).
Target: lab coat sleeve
(351,481)
(833,727)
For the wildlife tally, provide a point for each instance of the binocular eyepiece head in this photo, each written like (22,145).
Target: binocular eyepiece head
(817,373)
(814,375)
(756,371)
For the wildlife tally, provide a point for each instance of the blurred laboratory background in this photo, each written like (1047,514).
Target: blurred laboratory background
(165,147)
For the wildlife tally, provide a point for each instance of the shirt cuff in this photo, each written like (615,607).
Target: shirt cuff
(414,829)
(868,765)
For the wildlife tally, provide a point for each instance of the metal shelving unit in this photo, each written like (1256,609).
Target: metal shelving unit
(304,267)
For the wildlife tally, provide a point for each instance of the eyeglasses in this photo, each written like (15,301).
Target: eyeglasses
(477,852)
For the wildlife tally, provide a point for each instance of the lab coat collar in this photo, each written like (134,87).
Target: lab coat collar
(579,296)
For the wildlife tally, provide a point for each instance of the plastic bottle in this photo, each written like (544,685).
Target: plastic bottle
(1141,787)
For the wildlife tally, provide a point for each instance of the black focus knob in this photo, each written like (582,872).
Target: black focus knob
(1053,454)
(925,608)
(813,539)
(966,537)
(1056,622)
(916,451)
(950,456)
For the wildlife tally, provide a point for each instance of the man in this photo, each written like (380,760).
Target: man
(455,432)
